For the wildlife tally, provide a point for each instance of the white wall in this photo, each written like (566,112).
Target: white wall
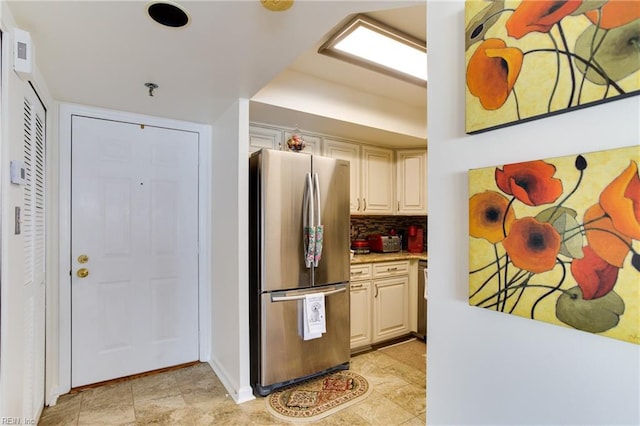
(301,92)
(229,267)
(489,368)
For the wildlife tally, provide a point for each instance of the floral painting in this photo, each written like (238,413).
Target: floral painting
(529,59)
(558,240)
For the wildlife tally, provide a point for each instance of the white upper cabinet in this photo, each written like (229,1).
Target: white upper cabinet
(377,180)
(411,182)
(264,137)
(351,153)
(383,181)
(371,175)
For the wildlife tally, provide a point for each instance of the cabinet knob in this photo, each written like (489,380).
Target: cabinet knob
(83,273)
(364,201)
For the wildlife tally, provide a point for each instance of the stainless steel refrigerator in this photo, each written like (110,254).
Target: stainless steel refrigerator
(299,247)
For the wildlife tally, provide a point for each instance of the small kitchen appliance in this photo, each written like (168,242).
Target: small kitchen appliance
(360,246)
(414,239)
(384,243)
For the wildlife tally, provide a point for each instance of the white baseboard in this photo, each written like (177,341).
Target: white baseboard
(238,394)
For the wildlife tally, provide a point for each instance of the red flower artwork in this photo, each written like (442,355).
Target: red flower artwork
(491,217)
(539,15)
(492,72)
(531,182)
(532,245)
(529,59)
(594,275)
(564,238)
(615,13)
(621,201)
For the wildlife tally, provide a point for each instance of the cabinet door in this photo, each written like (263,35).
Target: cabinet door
(390,308)
(360,313)
(351,153)
(377,180)
(411,175)
(312,143)
(264,137)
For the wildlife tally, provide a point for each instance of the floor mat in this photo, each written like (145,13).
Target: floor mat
(317,398)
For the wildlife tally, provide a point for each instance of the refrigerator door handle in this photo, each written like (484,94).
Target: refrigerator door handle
(308,226)
(318,218)
(302,296)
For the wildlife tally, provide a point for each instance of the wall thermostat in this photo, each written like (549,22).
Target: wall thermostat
(22,54)
(18,172)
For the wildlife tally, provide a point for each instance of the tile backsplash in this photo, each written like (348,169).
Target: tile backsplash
(362,226)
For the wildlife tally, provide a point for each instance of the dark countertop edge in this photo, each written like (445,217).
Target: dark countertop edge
(387,257)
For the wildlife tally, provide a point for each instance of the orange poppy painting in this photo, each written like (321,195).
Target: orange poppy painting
(558,240)
(527,59)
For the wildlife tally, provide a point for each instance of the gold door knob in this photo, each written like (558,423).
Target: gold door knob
(83,273)
(83,258)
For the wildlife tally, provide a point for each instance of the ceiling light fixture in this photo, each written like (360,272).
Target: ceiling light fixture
(374,45)
(277,5)
(168,14)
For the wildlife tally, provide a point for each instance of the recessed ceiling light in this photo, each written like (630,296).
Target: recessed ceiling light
(168,14)
(374,45)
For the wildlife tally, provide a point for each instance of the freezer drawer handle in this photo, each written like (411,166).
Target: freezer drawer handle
(302,296)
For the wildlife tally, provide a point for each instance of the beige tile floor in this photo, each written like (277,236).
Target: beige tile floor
(194,396)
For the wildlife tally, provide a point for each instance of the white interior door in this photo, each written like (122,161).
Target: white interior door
(135,219)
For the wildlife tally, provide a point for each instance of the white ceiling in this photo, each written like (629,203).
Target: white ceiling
(102,52)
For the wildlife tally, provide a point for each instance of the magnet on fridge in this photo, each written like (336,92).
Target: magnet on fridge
(18,173)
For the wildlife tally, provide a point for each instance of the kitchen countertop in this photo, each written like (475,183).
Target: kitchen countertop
(386,257)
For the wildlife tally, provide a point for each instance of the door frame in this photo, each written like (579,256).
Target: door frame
(63,335)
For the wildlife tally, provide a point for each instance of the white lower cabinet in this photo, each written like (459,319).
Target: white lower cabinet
(380,302)
(391,308)
(360,305)
(360,314)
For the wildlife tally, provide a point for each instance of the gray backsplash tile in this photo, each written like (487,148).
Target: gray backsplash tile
(362,226)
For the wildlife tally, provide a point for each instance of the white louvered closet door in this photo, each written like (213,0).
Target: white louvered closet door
(33,235)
